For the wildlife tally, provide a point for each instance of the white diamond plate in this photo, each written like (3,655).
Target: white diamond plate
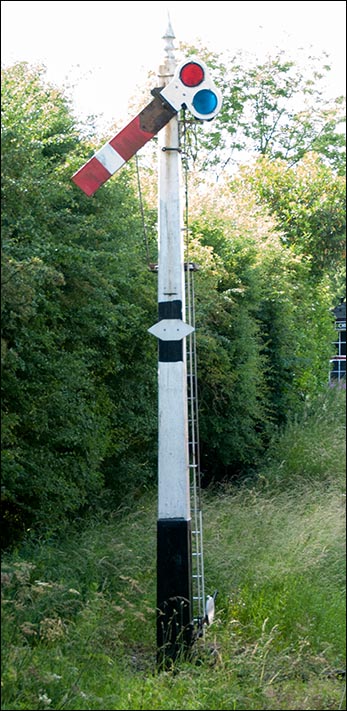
(171,329)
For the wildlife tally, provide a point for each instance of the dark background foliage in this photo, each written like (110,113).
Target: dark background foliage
(79,369)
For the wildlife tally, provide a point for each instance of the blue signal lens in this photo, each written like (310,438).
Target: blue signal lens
(205,101)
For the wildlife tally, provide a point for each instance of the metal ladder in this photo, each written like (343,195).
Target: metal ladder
(198,578)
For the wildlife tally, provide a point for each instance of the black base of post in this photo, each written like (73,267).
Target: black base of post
(175,625)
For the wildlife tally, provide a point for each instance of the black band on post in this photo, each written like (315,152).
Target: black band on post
(174,589)
(170,309)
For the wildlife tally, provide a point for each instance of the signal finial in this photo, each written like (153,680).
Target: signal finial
(167,69)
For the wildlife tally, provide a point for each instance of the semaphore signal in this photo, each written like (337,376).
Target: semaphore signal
(191,87)
(123,146)
(187,86)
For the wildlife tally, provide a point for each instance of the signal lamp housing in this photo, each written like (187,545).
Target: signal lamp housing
(193,88)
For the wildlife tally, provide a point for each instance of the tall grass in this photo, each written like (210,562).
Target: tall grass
(312,449)
(78,614)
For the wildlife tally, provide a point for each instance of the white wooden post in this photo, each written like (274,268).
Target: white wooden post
(174,568)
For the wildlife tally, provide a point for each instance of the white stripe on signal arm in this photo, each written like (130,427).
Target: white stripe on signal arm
(109,158)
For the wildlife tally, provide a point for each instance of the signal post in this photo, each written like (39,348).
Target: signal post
(174,555)
(188,85)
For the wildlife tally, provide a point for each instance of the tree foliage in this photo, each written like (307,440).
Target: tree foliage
(79,370)
(272,108)
(308,202)
(265,331)
(75,297)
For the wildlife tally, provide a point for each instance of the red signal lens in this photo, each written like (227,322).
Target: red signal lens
(192,74)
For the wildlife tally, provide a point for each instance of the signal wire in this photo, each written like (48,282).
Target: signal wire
(144,229)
